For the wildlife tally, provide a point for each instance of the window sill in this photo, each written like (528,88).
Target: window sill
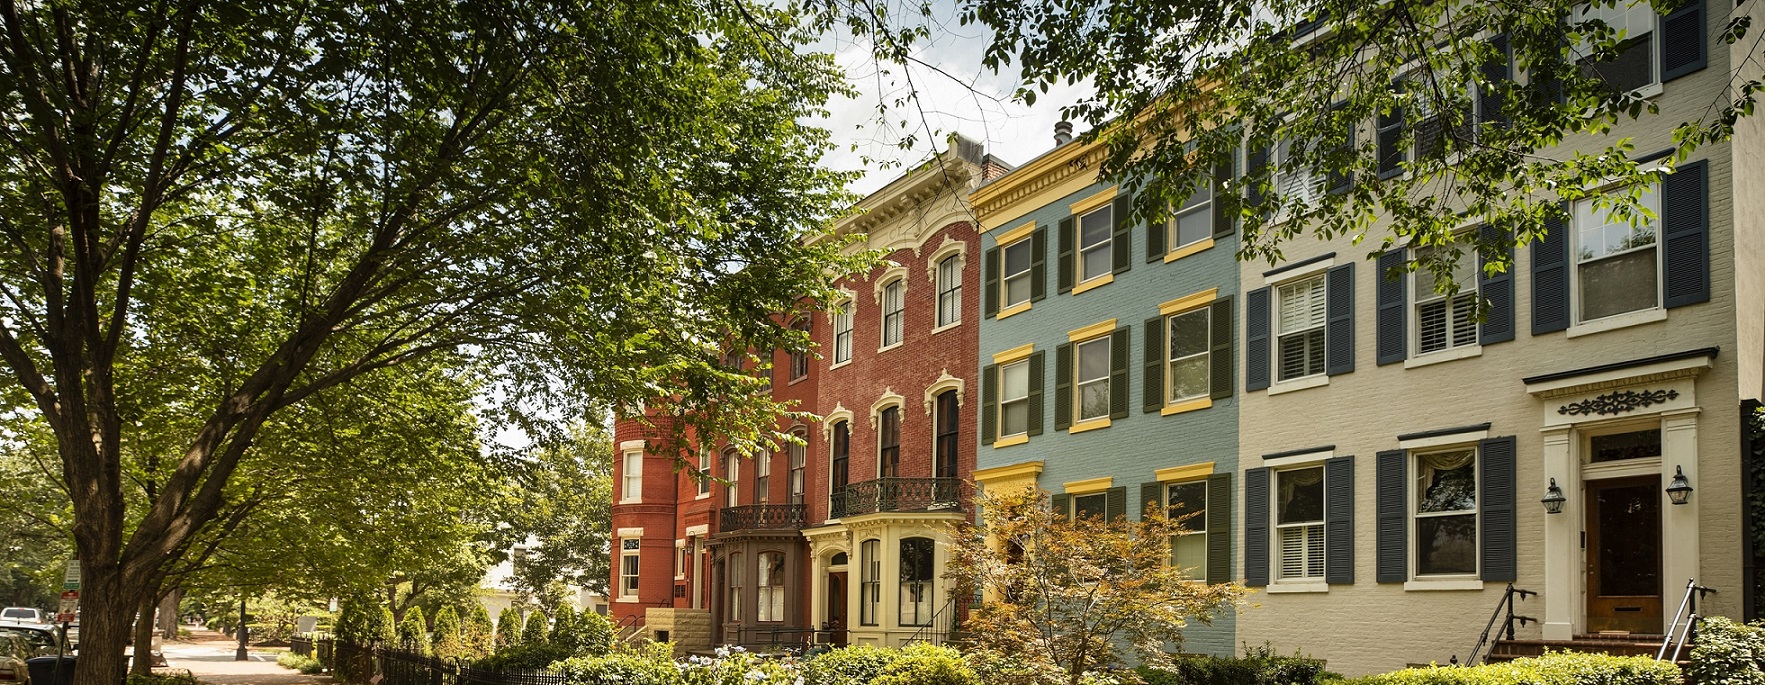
(704,496)
(1089,424)
(836,365)
(1649,92)
(948,326)
(1008,441)
(1013,310)
(1186,250)
(797,380)
(1617,321)
(638,500)
(886,348)
(1442,585)
(1297,587)
(626,600)
(1298,384)
(1446,355)
(1094,283)
(1186,406)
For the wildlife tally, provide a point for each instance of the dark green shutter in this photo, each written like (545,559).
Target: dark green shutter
(1115,503)
(1550,277)
(1339,320)
(1339,521)
(1121,242)
(1392,336)
(1498,73)
(1155,248)
(1389,138)
(1061,504)
(1219,528)
(1225,219)
(1256,527)
(1499,524)
(1038,264)
(1220,359)
(1063,386)
(1036,381)
(1392,500)
(1683,45)
(1685,239)
(1256,174)
(990,297)
(1152,375)
(1150,494)
(1256,339)
(989,404)
(1497,290)
(1066,265)
(1118,374)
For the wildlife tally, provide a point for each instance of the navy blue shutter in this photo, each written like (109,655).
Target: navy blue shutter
(989,404)
(1499,525)
(1683,43)
(1219,528)
(1256,527)
(1341,178)
(1036,381)
(990,296)
(1067,264)
(1155,248)
(1685,219)
(1038,264)
(1393,514)
(1118,373)
(1063,386)
(1497,72)
(1256,173)
(1152,377)
(1220,357)
(1150,494)
(1497,290)
(1339,320)
(1339,521)
(1256,339)
(1550,278)
(1393,305)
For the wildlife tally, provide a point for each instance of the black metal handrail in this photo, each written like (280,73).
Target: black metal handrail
(783,637)
(763,517)
(944,623)
(898,494)
(1507,606)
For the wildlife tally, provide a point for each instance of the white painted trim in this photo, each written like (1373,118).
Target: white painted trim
(1594,379)
(889,399)
(950,246)
(631,445)
(698,531)
(944,382)
(1647,466)
(1446,355)
(1299,459)
(890,275)
(838,414)
(1618,321)
(1465,438)
(630,533)
(1442,585)
(1297,587)
(1298,384)
(1302,272)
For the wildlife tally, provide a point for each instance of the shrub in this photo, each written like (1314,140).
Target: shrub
(169,678)
(381,627)
(1727,653)
(528,657)
(849,665)
(597,633)
(1258,666)
(995,668)
(413,633)
(508,629)
(737,667)
(565,632)
(652,664)
(1554,668)
(444,639)
(537,629)
(477,631)
(304,664)
(924,664)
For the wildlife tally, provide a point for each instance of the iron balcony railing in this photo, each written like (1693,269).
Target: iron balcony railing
(898,494)
(764,517)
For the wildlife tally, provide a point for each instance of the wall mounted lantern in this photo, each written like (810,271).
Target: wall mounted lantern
(1679,489)
(1553,498)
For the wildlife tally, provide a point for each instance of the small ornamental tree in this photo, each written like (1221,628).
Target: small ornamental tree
(1074,594)
(352,621)
(597,633)
(413,633)
(477,631)
(537,631)
(566,633)
(445,640)
(381,627)
(508,629)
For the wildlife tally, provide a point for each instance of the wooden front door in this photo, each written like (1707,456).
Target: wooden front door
(836,606)
(1624,555)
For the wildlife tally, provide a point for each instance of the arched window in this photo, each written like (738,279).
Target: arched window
(838,474)
(916,579)
(771,587)
(949,419)
(888,444)
(798,466)
(870,581)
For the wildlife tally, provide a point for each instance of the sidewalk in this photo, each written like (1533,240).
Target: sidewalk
(209,656)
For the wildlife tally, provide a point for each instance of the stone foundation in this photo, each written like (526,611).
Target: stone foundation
(687,629)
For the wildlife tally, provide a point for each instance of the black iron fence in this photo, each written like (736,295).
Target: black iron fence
(898,494)
(352,663)
(763,517)
(301,646)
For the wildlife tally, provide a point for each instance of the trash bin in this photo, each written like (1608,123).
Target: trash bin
(43,671)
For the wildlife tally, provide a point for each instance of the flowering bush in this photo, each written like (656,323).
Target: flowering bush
(651,664)
(858,665)
(739,667)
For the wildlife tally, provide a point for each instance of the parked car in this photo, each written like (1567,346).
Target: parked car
(40,639)
(20,615)
(13,652)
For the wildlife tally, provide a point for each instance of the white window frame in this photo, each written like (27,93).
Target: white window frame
(704,478)
(1079,383)
(733,567)
(841,317)
(1585,209)
(1321,326)
(630,567)
(763,479)
(1467,292)
(1276,527)
(1025,398)
(916,593)
(949,291)
(1170,362)
(1298,187)
(894,313)
(1107,244)
(1196,526)
(1642,8)
(732,471)
(797,467)
(1005,278)
(1413,507)
(631,481)
(870,582)
(769,598)
(682,559)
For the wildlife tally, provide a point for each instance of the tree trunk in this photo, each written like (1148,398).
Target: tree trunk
(106,604)
(169,620)
(142,663)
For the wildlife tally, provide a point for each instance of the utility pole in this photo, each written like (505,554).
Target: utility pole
(242,654)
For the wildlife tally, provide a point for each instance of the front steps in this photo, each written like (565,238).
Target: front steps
(1614,644)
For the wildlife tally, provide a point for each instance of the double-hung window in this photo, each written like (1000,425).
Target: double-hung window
(949,420)
(1617,263)
(732,473)
(799,463)
(888,447)
(894,305)
(704,476)
(1014,398)
(1299,523)
(1091,369)
(1095,506)
(770,601)
(1633,22)
(870,583)
(800,358)
(629,549)
(1188,504)
(1193,221)
(762,478)
(838,473)
(735,586)
(1014,287)
(1300,328)
(916,581)
(842,332)
(1298,184)
(1095,236)
(1189,370)
(631,485)
(949,290)
(1446,512)
(1442,321)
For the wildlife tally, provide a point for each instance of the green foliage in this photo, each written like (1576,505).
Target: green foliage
(304,664)
(530,657)
(1554,668)
(564,504)
(1728,653)
(508,629)
(413,632)
(924,664)
(855,665)
(445,640)
(352,621)
(166,678)
(565,632)
(995,668)
(650,664)
(596,634)
(537,630)
(477,632)
(1258,666)
(739,667)
(382,626)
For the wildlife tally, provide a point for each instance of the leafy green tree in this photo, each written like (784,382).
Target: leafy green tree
(413,632)
(445,639)
(508,629)
(215,213)
(596,634)
(566,633)
(477,632)
(564,503)
(537,631)
(382,628)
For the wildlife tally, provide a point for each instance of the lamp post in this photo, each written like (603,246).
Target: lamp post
(243,654)
(1553,498)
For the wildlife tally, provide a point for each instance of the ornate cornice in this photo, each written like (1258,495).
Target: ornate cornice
(1615,403)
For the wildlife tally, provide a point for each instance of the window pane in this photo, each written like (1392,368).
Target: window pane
(1302,354)
(1636,445)
(1015,381)
(1300,498)
(1190,378)
(1189,499)
(1301,305)
(916,558)
(1446,481)
(1615,285)
(1446,544)
(1089,506)
(1194,225)
(1017,290)
(1094,228)
(1014,418)
(1094,400)
(1017,257)
(1093,359)
(1189,334)
(1189,552)
(1096,263)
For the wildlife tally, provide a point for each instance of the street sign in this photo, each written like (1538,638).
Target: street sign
(69,611)
(72,579)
